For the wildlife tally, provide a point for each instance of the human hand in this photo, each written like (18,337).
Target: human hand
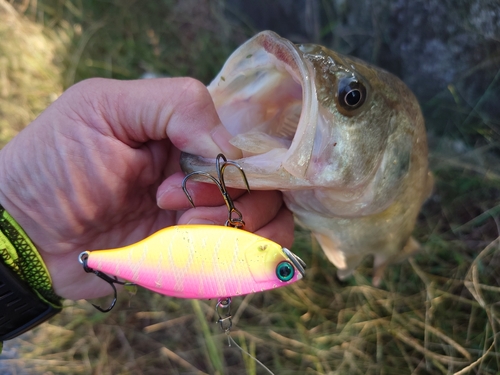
(99,169)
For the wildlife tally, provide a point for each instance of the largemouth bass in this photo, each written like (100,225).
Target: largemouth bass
(343,140)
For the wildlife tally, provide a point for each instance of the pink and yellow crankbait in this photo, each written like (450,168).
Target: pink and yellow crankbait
(200,262)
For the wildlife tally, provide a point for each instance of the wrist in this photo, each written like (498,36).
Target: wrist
(20,254)
(27,298)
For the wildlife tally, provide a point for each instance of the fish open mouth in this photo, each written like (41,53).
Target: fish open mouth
(260,105)
(263,96)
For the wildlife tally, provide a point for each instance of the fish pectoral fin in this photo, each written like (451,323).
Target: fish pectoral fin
(256,142)
(429,185)
(382,261)
(411,247)
(332,251)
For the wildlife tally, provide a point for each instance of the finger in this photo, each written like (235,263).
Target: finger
(137,111)
(280,229)
(258,208)
(170,195)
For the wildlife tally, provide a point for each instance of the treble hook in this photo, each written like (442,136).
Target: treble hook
(83,258)
(221,184)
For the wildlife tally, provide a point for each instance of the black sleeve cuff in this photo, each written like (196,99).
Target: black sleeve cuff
(20,308)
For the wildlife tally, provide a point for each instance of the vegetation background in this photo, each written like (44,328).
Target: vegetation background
(436,313)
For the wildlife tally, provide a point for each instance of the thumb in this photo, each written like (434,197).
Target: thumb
(195,126)
(135,112)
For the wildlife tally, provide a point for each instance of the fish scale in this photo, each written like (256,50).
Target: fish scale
(201,261)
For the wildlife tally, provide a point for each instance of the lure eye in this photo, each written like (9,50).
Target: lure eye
(351,94)
(285,271)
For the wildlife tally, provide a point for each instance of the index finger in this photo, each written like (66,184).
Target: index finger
(135,112)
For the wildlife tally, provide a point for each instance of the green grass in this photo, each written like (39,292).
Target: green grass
(124,39)
(434,314)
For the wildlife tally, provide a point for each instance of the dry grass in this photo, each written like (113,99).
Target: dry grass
(434,314)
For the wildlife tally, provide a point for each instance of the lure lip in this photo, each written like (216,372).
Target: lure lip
(297,262)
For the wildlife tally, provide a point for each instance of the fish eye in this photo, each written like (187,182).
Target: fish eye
(285,271)
(351,94)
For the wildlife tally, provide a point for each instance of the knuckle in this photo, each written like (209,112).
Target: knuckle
(194,96)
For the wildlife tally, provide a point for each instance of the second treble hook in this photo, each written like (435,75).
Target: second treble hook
(235,218)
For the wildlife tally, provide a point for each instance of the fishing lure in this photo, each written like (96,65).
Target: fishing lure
(199,261)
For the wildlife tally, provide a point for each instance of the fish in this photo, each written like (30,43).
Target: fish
(345,141)
(200,262)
